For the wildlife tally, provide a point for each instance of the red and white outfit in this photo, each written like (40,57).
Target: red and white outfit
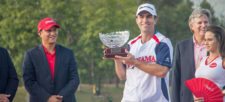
(213,71)
(141,86)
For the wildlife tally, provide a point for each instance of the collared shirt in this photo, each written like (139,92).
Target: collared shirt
(51,61)
(144,87)
(199,52)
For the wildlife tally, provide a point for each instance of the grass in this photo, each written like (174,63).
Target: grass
(109,93)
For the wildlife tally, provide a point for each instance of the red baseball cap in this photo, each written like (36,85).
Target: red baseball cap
(46,24)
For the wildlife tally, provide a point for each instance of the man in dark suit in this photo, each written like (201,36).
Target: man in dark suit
(188,54)
(49,70)
(8,77)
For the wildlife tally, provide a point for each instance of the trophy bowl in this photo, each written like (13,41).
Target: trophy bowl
(115,43)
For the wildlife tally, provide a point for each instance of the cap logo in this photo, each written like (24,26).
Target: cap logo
(50,21)
(146,6)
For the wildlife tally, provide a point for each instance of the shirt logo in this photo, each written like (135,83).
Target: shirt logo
(167,59)
(147,59)
(213,65)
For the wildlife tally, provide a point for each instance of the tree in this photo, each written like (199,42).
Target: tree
(19,19)
(81,22)
(17,28)
(206,5)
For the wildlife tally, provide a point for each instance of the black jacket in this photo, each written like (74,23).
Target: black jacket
(8,76)
(37,77)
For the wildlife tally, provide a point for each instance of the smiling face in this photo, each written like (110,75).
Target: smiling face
(146,22)
(198,25)
(49,37)
(211,42)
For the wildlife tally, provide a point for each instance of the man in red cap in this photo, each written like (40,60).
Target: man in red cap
(49,70)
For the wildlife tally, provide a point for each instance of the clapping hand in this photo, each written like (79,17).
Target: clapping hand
(4,97)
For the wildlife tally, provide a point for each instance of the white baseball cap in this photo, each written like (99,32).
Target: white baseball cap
(147,7)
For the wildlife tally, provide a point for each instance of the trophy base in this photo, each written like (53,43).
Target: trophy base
(112,52)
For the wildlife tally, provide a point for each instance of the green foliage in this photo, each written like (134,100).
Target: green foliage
(206,5)
(16,28)
(100,16)
(173,21)
(81,22)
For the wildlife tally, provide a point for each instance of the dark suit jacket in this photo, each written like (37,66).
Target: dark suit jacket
(37,78)
(183,69)
(8,77)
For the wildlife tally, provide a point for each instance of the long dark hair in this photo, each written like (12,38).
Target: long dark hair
(219,34)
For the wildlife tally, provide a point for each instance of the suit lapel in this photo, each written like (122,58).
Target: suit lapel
(57,60)
(191,50)
(44,59)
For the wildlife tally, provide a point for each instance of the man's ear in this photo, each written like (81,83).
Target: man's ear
(39,33)
(190,26)
(156,19)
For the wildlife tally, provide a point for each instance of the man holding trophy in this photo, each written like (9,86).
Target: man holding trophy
(146,65)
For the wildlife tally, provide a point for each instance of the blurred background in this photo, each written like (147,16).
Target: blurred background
(81,22)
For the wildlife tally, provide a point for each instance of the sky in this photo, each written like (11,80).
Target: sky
(217,5)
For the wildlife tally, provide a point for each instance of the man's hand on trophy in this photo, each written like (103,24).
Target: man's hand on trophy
(129,59)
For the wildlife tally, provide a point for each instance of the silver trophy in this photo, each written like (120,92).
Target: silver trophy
(115,43)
